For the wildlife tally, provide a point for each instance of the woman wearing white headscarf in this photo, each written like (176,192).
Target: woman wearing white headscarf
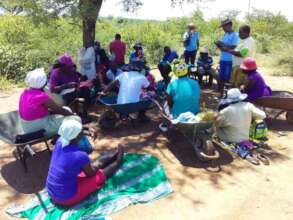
(72,176)
(36,109)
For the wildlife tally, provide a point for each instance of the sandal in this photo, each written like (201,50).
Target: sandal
(263,159)
(163,127)
(251,159)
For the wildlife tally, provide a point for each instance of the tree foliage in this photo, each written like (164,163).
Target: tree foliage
(24,46)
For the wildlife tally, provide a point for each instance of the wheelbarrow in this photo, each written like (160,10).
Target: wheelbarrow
(195,133)
(115,113)
(280,100)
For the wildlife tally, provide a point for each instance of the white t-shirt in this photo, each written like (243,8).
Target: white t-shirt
(248,43)
(236,120)
(131,84)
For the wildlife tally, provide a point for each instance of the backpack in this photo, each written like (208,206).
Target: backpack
(258,130)
(187,40)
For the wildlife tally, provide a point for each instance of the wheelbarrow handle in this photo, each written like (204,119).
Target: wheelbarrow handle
(29,150)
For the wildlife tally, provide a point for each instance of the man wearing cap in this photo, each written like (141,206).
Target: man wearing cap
(245,48)
(234,120)
(205,66)
(191,44)
(229,41)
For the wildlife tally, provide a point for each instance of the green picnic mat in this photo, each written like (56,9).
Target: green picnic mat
(141,179)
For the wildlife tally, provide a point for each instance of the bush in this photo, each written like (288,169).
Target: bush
(25,46)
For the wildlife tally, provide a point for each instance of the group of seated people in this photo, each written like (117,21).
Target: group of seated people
(204,65)
(236,109)
(72,176)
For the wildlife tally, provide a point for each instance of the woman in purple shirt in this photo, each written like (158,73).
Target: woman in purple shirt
(65,81)
(72,176)
(255,86)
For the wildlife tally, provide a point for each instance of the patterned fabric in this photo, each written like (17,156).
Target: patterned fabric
(141,179)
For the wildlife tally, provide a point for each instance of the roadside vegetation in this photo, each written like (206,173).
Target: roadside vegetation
(25,45)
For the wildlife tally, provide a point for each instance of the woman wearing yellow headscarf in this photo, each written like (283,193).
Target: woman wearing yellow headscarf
(183,92)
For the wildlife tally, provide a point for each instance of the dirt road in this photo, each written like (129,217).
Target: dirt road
(228,190)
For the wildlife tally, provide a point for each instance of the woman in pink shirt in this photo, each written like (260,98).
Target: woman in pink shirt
(36,109)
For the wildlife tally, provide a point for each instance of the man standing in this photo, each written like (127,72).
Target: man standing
(117,50)
(191,44)
(165,64)
(228,42)
(245,48)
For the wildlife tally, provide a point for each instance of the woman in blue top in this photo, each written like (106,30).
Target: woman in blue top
(72,177)
(229,41)
(183,92)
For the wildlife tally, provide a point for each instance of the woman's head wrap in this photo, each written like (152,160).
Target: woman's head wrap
(36,79)
(69,130)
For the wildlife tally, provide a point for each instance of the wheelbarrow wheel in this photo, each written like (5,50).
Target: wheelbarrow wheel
(206,151)
(289,117)
(108,120)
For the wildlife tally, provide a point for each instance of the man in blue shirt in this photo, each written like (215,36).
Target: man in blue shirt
(205,66)
(164,65)
(228,41)
(191,44)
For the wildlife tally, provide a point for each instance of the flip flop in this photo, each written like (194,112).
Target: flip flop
(265,160)
(251,159)
(163,127)
(264,151)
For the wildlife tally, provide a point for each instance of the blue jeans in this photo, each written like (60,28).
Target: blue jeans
(225,70)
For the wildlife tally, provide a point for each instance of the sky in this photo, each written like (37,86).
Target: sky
(161,9)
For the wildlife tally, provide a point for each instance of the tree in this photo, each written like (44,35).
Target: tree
(86,10)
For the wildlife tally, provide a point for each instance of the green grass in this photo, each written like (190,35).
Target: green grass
(6,84)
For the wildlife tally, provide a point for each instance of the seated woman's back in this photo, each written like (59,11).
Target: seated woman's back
(235,121)
(66,164)
(259,87)
(31,104)
(185,93)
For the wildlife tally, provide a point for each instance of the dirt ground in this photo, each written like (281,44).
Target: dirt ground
(230,189)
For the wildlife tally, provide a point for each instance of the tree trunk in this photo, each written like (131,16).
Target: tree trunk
(89,12)
(89,31)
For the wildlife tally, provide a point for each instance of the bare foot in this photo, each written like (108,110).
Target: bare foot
(107,159)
